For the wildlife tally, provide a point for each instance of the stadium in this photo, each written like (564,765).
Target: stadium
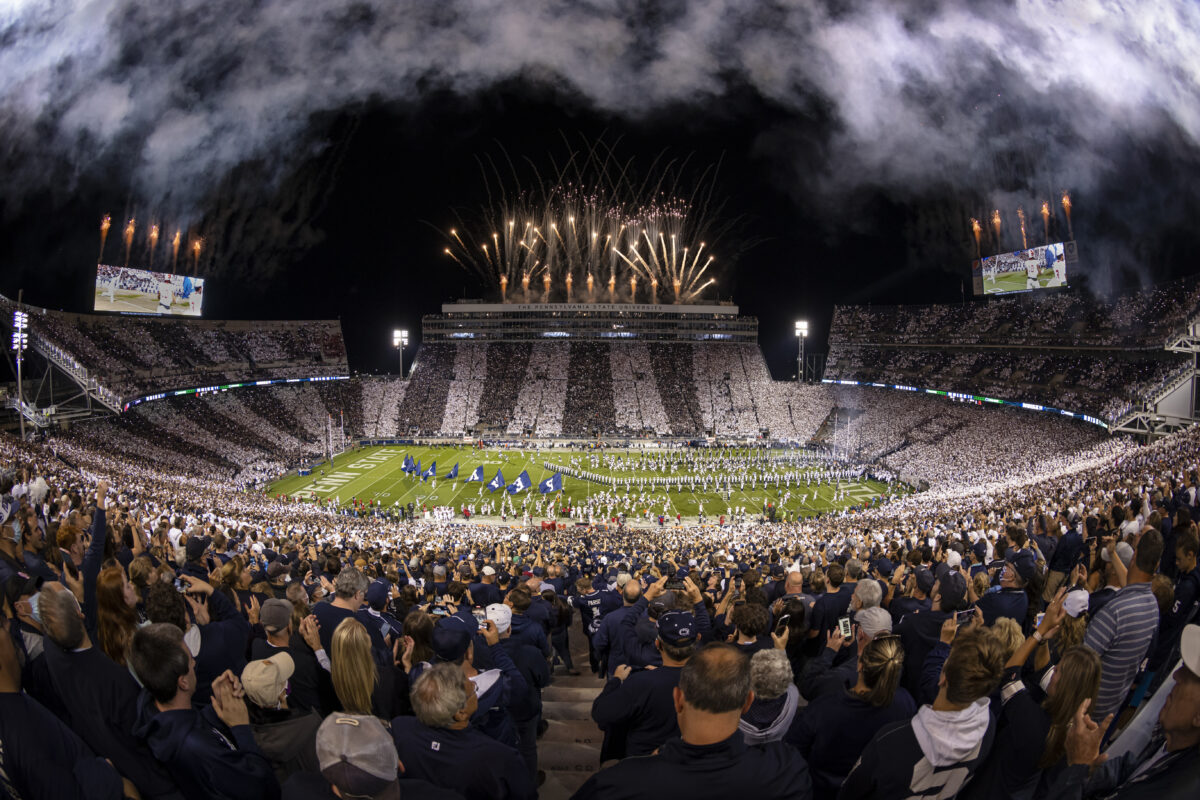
(562,402)
(530,422)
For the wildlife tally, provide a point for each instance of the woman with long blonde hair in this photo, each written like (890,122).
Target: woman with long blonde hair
(353,669)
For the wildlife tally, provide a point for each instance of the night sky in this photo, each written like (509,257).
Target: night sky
(323,153)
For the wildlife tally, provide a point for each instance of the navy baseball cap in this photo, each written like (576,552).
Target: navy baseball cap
(599,583)
(677,628)
(196,545)
(377,593)
(953,589)
(925,579)
(885,566)
(1023,562)
(451,638)
(980,550)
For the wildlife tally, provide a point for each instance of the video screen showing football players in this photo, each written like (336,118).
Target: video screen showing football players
(1041,267)
(136,291)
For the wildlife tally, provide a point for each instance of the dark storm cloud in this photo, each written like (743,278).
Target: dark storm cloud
(1017,99)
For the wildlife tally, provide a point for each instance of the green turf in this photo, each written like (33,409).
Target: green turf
(1015,282)
(373,473)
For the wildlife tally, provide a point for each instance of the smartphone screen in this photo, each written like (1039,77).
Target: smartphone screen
(844,627)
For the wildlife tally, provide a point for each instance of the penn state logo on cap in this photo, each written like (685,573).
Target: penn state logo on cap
(677,628)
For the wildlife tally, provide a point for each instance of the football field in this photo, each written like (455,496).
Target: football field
(375,474)
(1015,282)
(138,302)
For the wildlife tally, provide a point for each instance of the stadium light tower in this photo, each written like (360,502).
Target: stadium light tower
(400,341)
(20,340)
(801,334)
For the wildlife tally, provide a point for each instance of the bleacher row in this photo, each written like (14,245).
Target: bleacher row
(589,388)
(1104,383)
(134,356)
(1142,320)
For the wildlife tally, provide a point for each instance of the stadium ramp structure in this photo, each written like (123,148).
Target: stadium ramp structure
(1172,404)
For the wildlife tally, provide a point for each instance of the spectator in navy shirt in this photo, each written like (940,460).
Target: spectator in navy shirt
(914,588)
(636,709)
(485,593)
(832,731)
(1186,600)
(1066,555)
(919,632)
(41,757)
(1011,599)
(709,758)
(101,696)
(833,605)
(211,752)
(441,746)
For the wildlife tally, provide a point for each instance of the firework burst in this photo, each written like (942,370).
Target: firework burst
(592,226)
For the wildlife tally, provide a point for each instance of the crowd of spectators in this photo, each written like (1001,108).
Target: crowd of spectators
(1102,383)
(1029,636)
(424,406)
(1066,350)
(381,399)
(637,404)
(1143,319)
(557,388)
(132,356)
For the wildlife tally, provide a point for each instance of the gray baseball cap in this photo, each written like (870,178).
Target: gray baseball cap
(357,755)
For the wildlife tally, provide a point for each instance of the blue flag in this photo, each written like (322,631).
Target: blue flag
(417,467)
(477,475)
(408,464)
(429,473)
(496,482)
(551,484)
(521,483)
(453,472)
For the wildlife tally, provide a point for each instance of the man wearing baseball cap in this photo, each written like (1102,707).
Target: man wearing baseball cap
(276,619)
(1012,599)
(1168,767)
(636,710)
(921,631)
(524,707)
(284,734)
(485,593)
(357,758)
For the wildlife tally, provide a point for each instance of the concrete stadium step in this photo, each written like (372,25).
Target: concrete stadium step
(561,785)
(567,711)
(571,731)
(569,750)
(557,693)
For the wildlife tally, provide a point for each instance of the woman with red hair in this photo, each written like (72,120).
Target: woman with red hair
(117,619)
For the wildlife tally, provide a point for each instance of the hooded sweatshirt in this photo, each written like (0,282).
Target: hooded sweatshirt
(207,758)
(933,754)
(769,720)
